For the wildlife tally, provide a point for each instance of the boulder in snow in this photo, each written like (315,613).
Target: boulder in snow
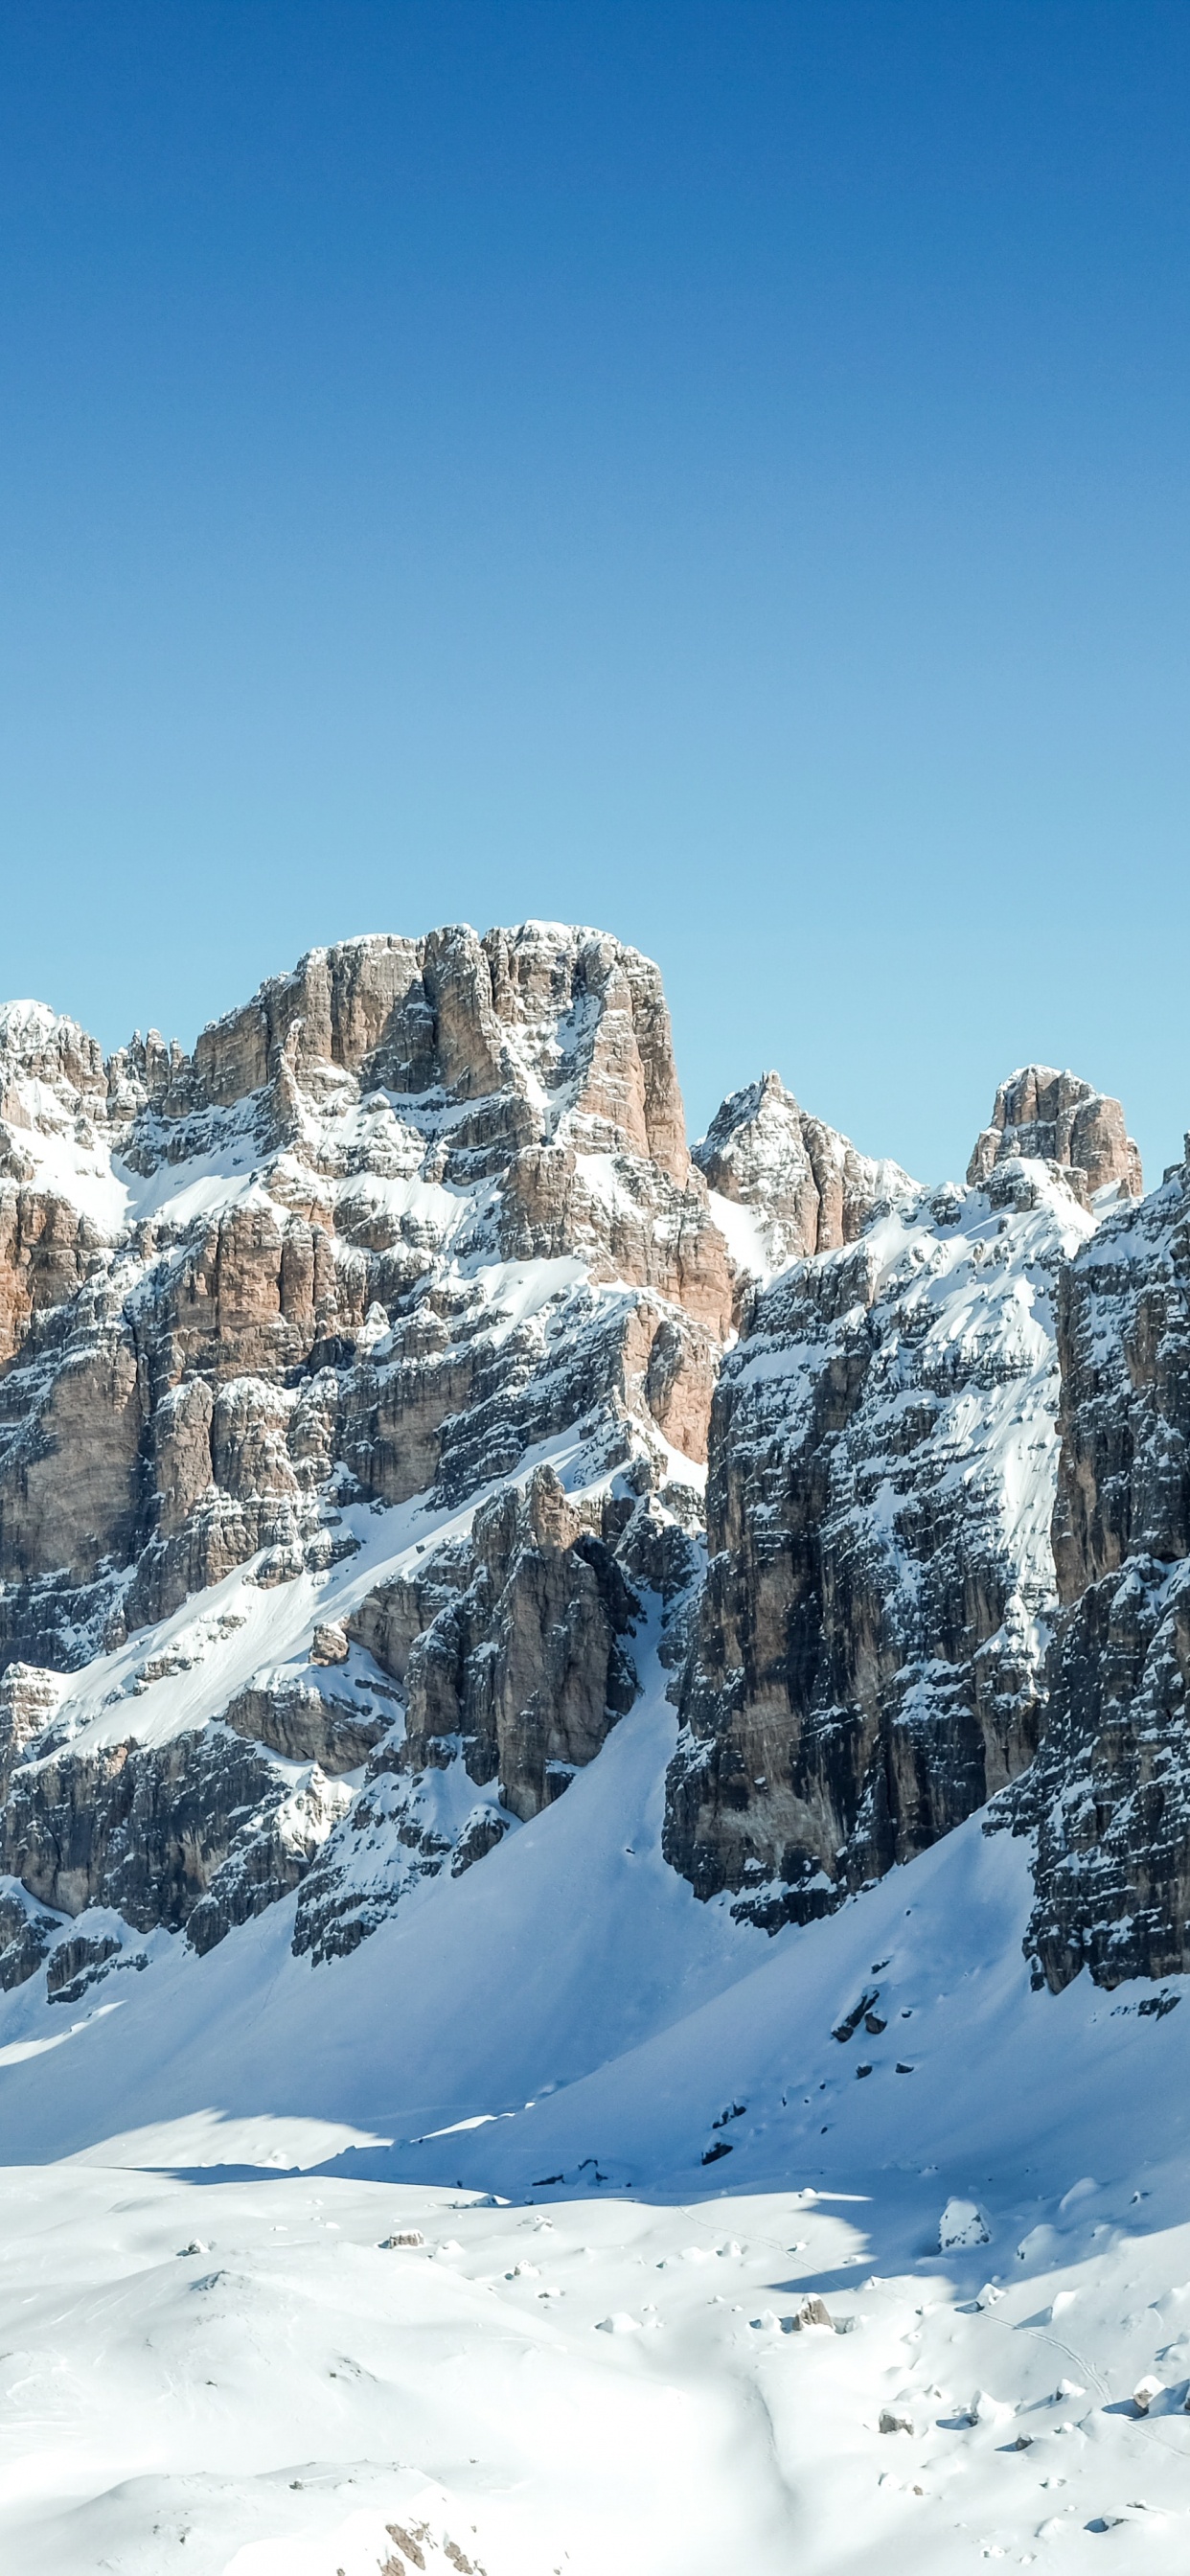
(962,2223)
(812,2312)
(990,2410)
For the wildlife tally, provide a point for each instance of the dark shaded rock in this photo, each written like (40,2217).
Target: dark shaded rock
(197,1834)
(1109,1795)
(305,1725)
(67,1973)
(479,1836)
(521,1662)
(25,1937)
(513,1650)
(867,1664)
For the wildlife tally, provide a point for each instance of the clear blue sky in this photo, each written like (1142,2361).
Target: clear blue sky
(719,471)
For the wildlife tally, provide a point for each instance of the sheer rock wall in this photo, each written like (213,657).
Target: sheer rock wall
(1110,1795)
(223,1277)
(1056,1117)
(419,1209)
(869,1662)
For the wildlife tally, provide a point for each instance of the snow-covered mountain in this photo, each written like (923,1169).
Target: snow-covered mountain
(409,1776)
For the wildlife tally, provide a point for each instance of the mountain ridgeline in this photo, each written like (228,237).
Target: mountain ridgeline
(385,1385)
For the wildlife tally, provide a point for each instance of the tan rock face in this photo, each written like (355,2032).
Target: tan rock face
(70,1473)
(329,1644)
(295,1276)
(304,1725)
(1057,1118)
(47,1251)
(538,1010)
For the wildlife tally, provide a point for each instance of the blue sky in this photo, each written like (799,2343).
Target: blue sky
(716,471)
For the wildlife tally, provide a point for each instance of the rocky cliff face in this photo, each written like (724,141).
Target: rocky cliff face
(366,1230)
(1055,1117)
(784,1184)
(357,1375)
(421,1209)
(515,1652)
(1110,1797)
(869,1664)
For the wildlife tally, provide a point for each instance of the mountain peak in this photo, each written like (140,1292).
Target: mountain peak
(1055,1117)
(804,1186)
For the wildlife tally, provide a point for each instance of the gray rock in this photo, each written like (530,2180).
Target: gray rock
(867,1665)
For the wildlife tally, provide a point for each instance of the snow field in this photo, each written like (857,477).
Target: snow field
(247,2371)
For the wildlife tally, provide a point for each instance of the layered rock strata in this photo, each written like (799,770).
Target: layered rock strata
(869,1659)
(368,1227)
(1058,1118)
(420,1210)
(785,1185)
(1110,1794)
(514,1649)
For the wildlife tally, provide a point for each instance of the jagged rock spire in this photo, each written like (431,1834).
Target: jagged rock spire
(1057,1118)
(804,1183)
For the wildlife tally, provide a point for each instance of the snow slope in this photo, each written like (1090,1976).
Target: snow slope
(605,2370)
(599,2367)
(593,2357)
(627,2135)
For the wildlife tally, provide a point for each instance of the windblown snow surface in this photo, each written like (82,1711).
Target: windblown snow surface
(627,2147)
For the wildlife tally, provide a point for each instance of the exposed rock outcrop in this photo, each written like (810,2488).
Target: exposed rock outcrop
(305,1725)
(869,1648)
(25,1936)
(514,1652)
(29,1698)
(407,1269)
(1110,1793)
(74,1963)
(1057,1118)
(800,1186)
(366,1227)
(420,1208)
(196,1834)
